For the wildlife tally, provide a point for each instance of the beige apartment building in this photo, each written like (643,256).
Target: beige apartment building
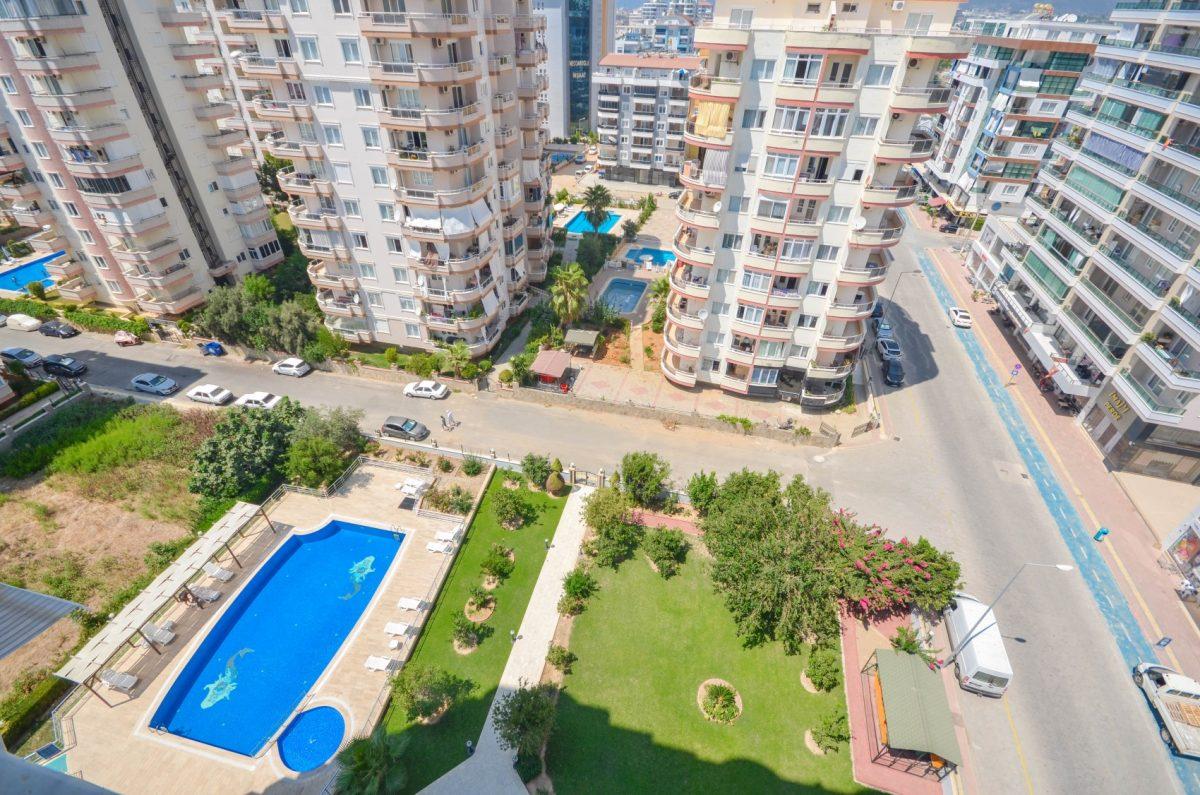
(415,134)
(114,148)
(803,125)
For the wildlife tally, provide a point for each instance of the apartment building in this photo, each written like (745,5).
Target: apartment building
(591,34)
(642,106)
(114,112)
(1009,96)
(417,173)
(1099,277)
(797,149)
(555,72)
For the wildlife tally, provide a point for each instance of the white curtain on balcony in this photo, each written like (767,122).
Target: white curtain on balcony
(424,217)
(716,166)
(480,212)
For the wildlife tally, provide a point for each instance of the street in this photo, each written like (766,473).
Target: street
(948,469)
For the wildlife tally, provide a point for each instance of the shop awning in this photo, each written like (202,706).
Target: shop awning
(937,201)
(551,364)
(915,706)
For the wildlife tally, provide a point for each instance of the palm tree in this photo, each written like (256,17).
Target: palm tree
(660,289)
(568,294)
(596,200)
(373,765)
(456,357)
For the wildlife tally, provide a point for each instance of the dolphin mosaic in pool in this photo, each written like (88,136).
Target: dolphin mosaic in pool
(225,684)
(359,572)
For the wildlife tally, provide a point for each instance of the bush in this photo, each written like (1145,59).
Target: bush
(506,376)
(422,691)
(480,598)
(93,320)
(555,484)
(338,425)
(833,730)
(658,319)
(32,696)
(561,658)
(465,631)
(607,512)
(69,426)
(824,668)
(43,390)
(24,306)
(536,468)
(445,464)
(36,289)
(643,477)
(578,586)
(18,249)
(472,466)
(455,500)
(512,509)
(484,365)
(391,356)
(720,703)
(702,490)
(314,462)
(498,564)
(528,766)
(668,549)
(470,371)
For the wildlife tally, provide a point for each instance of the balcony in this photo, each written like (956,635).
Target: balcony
(322,218)
(173,275)
(529,22)
(811,91)
(423,74)
(446,197)
(19,189)
(921,100)
(684,317)
(689,282)
(147,255)
(408,25)
(532,89)
(438,118)
(340,305)
(224,139)
(843,342)
(55,65)
(132,226)
(281,109)
(1121,266)
(829,371)
(205,82)
(1174,370)
(686,248)
(1176,201)
(75,101)
(278,146)
(322,276)
(706,136)
(255,65)
(239,20)
(870,275)
(850,309)
(353,329)
(1148,405)
(909,150)
(192,52)
(44,16)
(32,214)
(896,195)
(47,241)
(63,268)
(324,250)
(77,290)
(171,305)
(694,176)
(531,56)
(679,373)
(885,234)
(213,111)
(704,86)
(698,218)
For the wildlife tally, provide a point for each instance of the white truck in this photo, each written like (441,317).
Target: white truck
(1176,699)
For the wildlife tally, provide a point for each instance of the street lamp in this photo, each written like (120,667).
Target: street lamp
(898,278)
(970,636)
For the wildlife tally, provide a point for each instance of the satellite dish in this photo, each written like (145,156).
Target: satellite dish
(996,205)
(717,207)
(858,223)
(702,314)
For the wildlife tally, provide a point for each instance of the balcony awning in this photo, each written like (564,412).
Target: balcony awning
(937,201)
(581,337)
(26,614)
(551,364)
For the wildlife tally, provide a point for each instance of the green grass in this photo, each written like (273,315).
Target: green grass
(373,359)
(433,750)
(628,719)
(283,221)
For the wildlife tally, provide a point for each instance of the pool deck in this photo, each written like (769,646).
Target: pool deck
(113,746)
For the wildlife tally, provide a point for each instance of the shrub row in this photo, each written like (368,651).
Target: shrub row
(42,390)
(93,320)
(20,713)
(25,306)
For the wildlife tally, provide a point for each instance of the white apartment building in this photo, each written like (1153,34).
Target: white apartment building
(797,149)
(555,69)
(1099,278)
(114,110)
(416,139)
(1009,96)
(642,106)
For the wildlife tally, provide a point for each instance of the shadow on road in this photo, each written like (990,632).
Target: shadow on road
(917,346)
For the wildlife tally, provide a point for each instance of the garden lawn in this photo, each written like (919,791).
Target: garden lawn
(433,750)
(628,719)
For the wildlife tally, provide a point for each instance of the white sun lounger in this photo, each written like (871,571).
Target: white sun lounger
(161,635)
(377,663)
(118,680)
(397,628)
(218,572)
(413,487)
(205,594)
(447,536)
(410,603)
(441,547)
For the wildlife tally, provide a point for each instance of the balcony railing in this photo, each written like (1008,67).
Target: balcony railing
(1148,396)
(1121,313)
(1157,286)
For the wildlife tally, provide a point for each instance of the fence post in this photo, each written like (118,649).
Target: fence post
(600,477)
(572,471)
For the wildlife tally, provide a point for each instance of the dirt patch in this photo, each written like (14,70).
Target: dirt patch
(807,684)
(43,650)
(491,582)
(700,691)
(615,350)
(478,616)
(655,341)
(462,650)
(811,744)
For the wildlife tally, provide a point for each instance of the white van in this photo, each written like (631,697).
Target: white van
(982,664)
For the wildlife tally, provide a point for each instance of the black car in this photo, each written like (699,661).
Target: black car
(877,312)
(58,328)
(403,428)
(54,364)
(893,372)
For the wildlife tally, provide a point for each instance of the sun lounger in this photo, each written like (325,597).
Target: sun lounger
(118,680)
(218,572)
(161,635)
(441,547)
(410,603)
(397,628)
(377,663)
(205,594)
(447,536)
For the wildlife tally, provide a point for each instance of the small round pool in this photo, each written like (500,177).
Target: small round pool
(580,224)
(311,739)
(623,295)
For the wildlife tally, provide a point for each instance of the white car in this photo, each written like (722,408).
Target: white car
(210,393)
(258,400)
(293,366)
(426,389)
(24,323)
(960,317)
(155,384)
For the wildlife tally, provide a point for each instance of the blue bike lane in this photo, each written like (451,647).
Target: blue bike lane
(1131,642)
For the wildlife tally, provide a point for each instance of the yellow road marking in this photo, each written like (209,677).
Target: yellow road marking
(1189,621)
(1083,503)
(1012,724)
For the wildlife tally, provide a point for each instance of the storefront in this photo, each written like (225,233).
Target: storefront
(1131,445)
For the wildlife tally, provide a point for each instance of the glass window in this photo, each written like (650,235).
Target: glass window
(387,211)
(412,330)
(341,6)
(350,52)
(838,214)
(827,253)
(333,134)
(400,275)
(879,75)
(730,240)
(366,270)
(865,125)
(761,69)
(752,118)
(309,49)
(299,6)
(371,137)
(749,313)
(379,175)
(322,95)
(362,98)
(9,86)
(352,208)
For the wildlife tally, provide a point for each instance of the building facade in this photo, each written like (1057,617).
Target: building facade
(118,150)
(591,34)
(796,154)
(1009,97)
(642,106)
(417,174)
(556,69)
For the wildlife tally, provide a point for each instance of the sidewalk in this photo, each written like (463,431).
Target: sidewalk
(490,769)
(1132,548)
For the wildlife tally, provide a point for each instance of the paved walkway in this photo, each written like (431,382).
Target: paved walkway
(490,769)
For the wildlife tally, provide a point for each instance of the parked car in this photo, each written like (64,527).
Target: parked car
(675,194)
(887,349)
(155,384)
(24,322)
(948,228)
(960,317)
(212,348)
(580,158)
(426,389)
(23,355)
(210,393)
(982,663)
(293,366)
(126,338)
(1174,698)
(3,321)
(877,312)
(883,329)
(258,400)
(66,366)
(58,328)
(403,428)
(893,372)
(579,172)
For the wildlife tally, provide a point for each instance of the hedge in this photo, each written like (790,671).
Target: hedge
(25,306)
(103,321)
(42,390)
(20,716)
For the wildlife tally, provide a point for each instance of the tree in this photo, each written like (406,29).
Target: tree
(455,357)
(568,294)
(511,509)
(247,445)
(824,668)
(596,201)
(226,315)
(833,730)
(339,425)
(314,461)
(422,691)
(268,175)
(36,289)
(525,718)
(289,327)
(667,549)
(644,476)
(563,196)
(373,765)
(608,512)
(535,468)
(578,587)
(290,277)
(702,490)
(629,230)
(555,484)
(591,253)
(258,288)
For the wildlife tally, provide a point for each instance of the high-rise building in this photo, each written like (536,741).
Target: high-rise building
(1009,96)
(591,34)
(1099,277)
(642,106)
(116,150)
(556,68)
(797,148)
(417,172)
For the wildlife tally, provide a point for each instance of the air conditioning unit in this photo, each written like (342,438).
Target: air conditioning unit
(730,55)
(895,116)
(897,5)
(437,43)
(912,62)
(443,90)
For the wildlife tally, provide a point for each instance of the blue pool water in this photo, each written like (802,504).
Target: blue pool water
(270,646)
(623,294)
(580,224)
(16,278)
(311,739)
(657,256)
(58,763)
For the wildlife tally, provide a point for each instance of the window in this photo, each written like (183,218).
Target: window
(375,300)
(366,270)
(112,286)
(715,338)
(918,23)
(99,262)
(827,253)
(9,86)
(40,150)
(802,68)
(748,313)
(380,325)
(23,117)
(359,240)
(1056,84)
(849,8)
(341,6)
(719,308)
(333,134)
(752,280)
(738,204)
(830,122)
(772,208)
(400,274)
(796,249)
(71,209)
(322,95)
(806,321)
(812,8)
(800,351)
(55,180)
(299,6)
(407,304)
(387,211)
(753,118)
(371,137)
(350,51)
(379,176)
(352,208)
(86,236)
(761,69)
(362,98)
(748,163)
(395,246)
(781,166)
(865,125)
(724,276)
(1047,106)
(341,172)
(817,288)
(764,376)
(731,241)
(412,330)
(879,75)
(838,214)
(309,49)
(740,17)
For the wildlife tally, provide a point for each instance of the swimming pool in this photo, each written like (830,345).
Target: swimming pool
(16,278)
(276,639)
(311,738)
(657,256)
(623,294)
(580,224)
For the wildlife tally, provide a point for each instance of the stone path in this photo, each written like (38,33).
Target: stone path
(490,769)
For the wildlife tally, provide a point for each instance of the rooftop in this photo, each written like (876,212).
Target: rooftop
(651,60)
